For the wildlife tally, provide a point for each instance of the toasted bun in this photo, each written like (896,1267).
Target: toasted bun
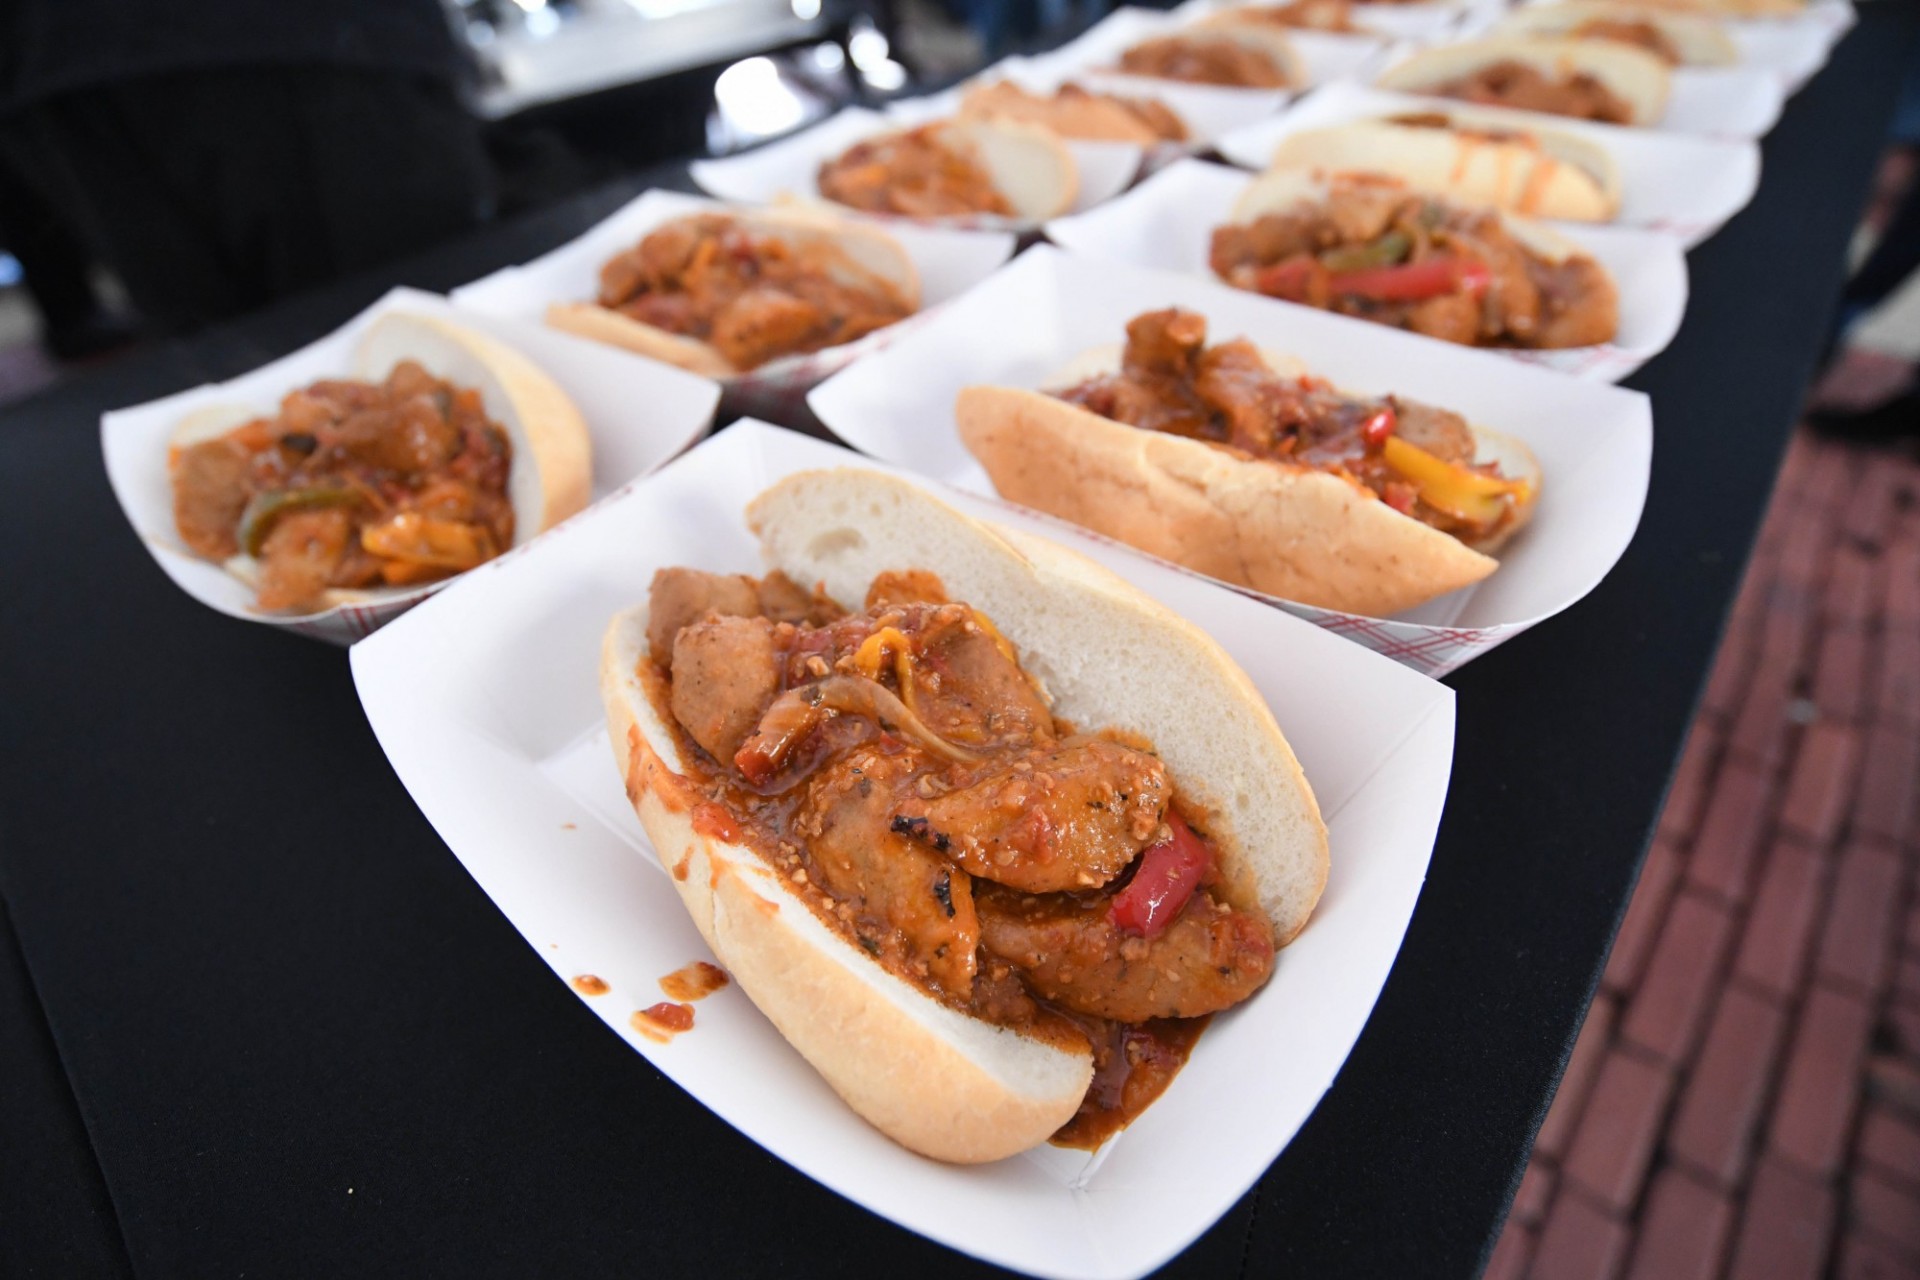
(552,473)
(1542,173)
(1030,165)
(1092,117)
(1291,532)
(1700,41)
(1639,78)
(937,1081)
(866,249)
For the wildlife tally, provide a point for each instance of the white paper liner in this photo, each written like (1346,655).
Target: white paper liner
(790,168)
(1167,222)
(949,262)
(1683,185)
(487,705)
(638,412)
(1593,442)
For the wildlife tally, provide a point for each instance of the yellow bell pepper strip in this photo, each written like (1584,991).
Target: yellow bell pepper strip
(873,651)
(1447,487)
(416,539)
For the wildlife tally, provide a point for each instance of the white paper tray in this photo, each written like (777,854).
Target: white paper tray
(791,166)
(1593,442)
(949,260)
(1167,222)
(604,384)
(1683,185)
(487,703)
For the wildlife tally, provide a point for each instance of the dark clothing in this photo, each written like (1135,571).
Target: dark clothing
(49,47)
(213,192)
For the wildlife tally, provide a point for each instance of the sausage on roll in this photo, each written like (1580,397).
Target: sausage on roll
(1600,80)
(1677,39)
(1538,173)
(1074,112)
(723,293)
(955,168)
(444,449)
(986,833)
(1225,460)
(1235,55)
(1369,247)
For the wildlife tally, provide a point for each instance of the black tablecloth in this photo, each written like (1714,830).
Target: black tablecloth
(255,1019)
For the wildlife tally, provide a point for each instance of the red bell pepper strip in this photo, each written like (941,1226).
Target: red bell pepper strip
(1169,873)
(1289,279)
(1376,429)
(1415,281)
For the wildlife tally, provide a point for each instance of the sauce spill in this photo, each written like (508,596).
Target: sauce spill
(589,985)
(695,982)
(713,820)
(680,867)
(662,1022)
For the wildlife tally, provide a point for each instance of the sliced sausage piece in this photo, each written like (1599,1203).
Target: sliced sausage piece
(210,492)
(923,899)
(763,323)
(682,596)
(1213,957)
(1067,817)
(725,672)
(1580,302)
(1440,432)
(980,694)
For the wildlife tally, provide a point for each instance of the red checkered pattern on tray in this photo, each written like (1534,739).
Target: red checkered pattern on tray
(1432,651)
(1606,363)
(777,390)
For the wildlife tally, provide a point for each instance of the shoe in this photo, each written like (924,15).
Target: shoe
(1894,419)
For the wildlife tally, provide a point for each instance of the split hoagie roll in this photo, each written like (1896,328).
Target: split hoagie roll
(1369,246)
(1677,39)
(1583,79)
(956,168)
(1230,461)
(1227,55)
(1537,173)
(1074,112)
(724,293)
(438,450)
(964,816)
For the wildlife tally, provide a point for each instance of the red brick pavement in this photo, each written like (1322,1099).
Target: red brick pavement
(1744,1100)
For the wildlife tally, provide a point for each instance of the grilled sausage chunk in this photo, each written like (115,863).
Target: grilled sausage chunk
(725,672)
(891,882)
(1212,957)
(1066,817)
